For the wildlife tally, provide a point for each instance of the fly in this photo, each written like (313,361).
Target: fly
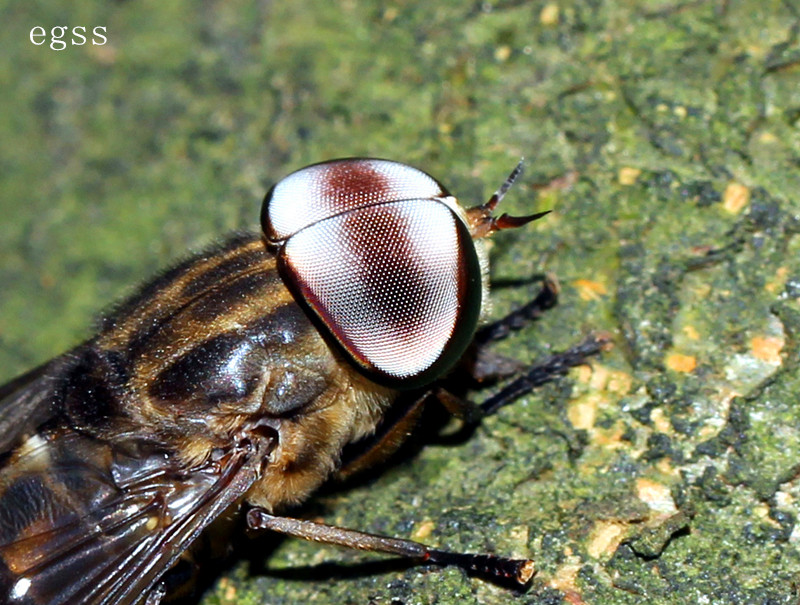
(238,378)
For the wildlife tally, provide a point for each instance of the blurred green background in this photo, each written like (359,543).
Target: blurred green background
(665,136)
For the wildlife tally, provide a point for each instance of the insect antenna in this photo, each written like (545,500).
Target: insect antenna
(480,219)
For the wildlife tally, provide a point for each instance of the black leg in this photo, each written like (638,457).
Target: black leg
(497,568)
(528,379)
(550,369)
(516,320)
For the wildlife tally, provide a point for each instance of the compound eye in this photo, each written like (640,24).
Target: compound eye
(393,276)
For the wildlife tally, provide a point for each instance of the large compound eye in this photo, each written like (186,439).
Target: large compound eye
(381,254)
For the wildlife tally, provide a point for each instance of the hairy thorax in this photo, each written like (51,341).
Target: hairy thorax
(214,348)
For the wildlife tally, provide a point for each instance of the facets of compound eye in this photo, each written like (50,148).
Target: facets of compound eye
(324,190)
(397,284)
(389,267)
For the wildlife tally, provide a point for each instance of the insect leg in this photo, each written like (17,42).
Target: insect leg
(390,435)
(488,366)
(516,320)
(551,368)
(498,568)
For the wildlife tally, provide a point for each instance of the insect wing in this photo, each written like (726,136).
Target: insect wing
(25,402)
(80,523)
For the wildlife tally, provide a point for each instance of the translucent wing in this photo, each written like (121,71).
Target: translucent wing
(25,402)
(82,523)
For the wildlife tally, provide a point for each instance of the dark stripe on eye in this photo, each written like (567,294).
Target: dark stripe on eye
(345,182)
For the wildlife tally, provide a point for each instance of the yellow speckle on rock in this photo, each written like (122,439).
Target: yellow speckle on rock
(605,538)
(584,373)
(735,198)
(779,282)
(701,290)
(784,498)
(762,512)
(609,438)
(502,53)
(599,378)
(549,14)
(678,362)
(767,348)
(664,466)
(520,535)
(590,290)
(628,176)
(566,576)
(660,422)
(656,495)
(619,382)
(227,591)
(423,530)
(583,411)
(691,333)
